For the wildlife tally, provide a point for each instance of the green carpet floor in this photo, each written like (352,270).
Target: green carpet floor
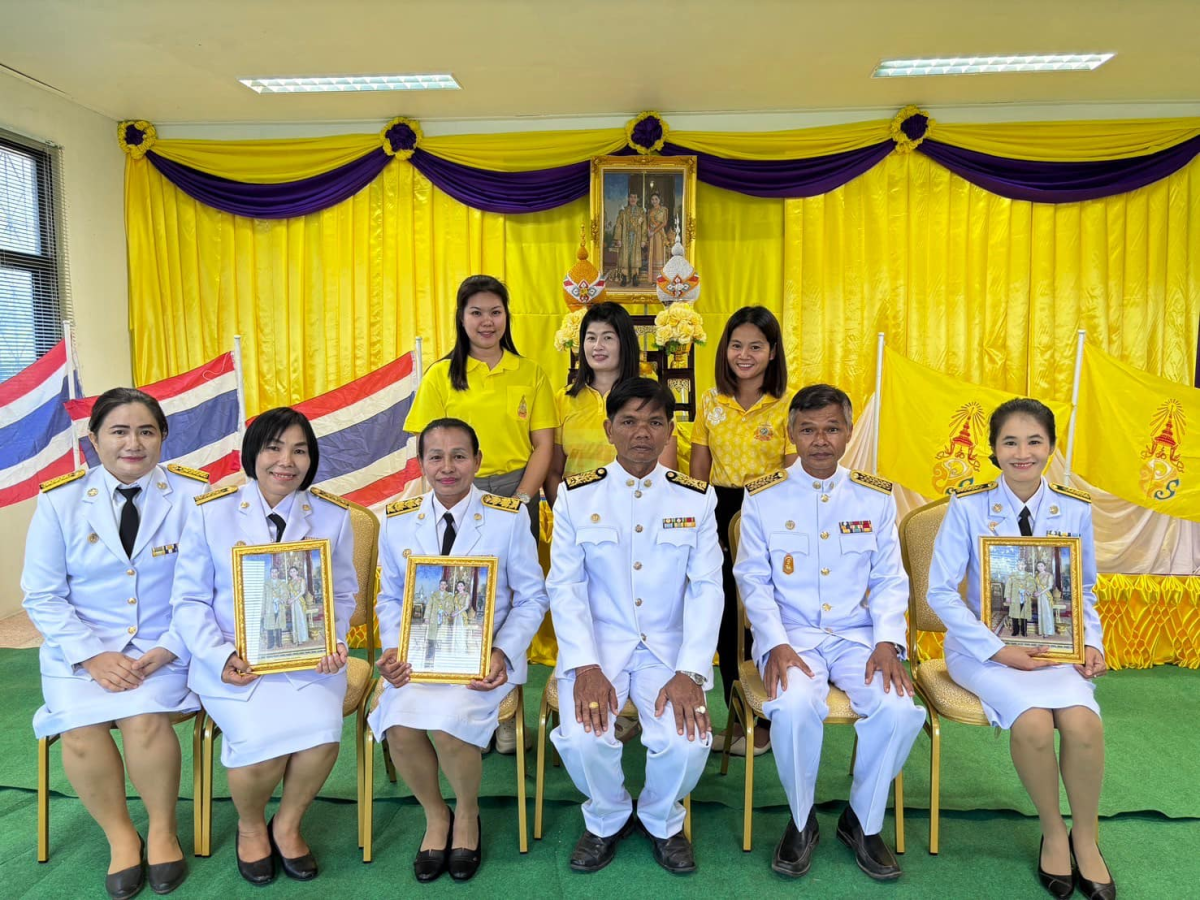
(1151,833)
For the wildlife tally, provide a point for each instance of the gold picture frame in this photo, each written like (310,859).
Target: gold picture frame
(283,605)
(1031,593)
(631,266)
(446,628)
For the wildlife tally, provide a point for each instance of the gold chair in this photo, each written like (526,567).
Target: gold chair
(548,715)
(365,526)
(746,705)
(43,786)
(511,707)
(941,696)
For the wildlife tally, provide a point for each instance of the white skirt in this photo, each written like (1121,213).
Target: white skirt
(1007,692)
(78,701)
(278,718)
(470,716)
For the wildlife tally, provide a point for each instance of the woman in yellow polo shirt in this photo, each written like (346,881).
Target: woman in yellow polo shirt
(608,355)
(740,434)
(503,396)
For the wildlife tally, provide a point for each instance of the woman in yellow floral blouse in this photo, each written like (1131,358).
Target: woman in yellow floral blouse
(740,434)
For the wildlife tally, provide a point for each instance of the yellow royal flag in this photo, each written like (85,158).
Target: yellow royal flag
(1131,436)
(933,429)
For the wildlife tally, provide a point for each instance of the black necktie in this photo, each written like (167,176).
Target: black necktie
(448,537)
(1023,521)
(129,519)
(277,520)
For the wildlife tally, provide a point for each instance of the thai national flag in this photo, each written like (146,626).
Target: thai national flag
(366,455)
(35,430)
(202,418)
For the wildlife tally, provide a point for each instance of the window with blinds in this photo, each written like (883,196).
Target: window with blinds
(32,270)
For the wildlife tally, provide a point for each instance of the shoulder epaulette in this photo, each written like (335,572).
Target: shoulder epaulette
(331,498)
(872,481)
(400,507)
(1071,492)
(687,481)
(213,495)
(61,480)
(975,489)
(508,504)
(581,478)
(187,472)
(761,484)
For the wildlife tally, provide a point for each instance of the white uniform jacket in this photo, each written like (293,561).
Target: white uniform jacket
(820,557)
(500,530)
(635,560)
(202,596)
(986,511)
(84,594)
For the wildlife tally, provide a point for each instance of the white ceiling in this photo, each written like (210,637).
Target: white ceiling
(177,62)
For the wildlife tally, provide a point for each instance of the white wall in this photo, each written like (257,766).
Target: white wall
(93,185)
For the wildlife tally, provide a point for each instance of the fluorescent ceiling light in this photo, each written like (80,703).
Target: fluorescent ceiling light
(351,83)
(986,65)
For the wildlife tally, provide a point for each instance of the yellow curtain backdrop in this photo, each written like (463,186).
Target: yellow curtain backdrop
(968,283)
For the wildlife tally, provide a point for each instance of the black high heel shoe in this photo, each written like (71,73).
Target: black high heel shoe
(126,883)
(299,868)
(1060,886)
(429,864)
(464,862)
(1094,890)
(258,872)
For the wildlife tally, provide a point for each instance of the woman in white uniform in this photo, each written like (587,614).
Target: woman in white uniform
(99,560)
(446,725)
(278,725)
(1020,690)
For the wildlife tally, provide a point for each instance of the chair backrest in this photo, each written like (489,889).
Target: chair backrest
(365,526)
(918,531)
(734,537)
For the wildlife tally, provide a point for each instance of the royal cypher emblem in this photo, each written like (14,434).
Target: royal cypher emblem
(957,463)
(1163,467)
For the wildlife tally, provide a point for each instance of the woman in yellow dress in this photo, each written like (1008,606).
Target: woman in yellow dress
(656,228)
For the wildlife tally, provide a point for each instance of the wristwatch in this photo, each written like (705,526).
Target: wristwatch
(523,497)
(696,677)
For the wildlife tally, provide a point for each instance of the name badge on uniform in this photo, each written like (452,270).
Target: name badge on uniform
(679,522)
(1062,534)
(789,565)
(863,527)
(165,549)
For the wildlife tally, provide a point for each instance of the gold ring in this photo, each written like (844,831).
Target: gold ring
(593,705)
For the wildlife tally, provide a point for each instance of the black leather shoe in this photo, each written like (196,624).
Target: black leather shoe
(464,862)
(870,852)
(429,864)
(793,856)
(258,872)
(128,882)
(592,853)
(1060,886)
(165,877)
(299,868)
(1094,890)
(674,853)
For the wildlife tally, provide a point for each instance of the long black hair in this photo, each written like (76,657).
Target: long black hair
(1020,406)
(631,355)
(775,378)
(476,284)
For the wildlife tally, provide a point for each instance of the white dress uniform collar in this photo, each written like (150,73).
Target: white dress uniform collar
(822,486)
(621,478)
(1014,503)
(117,501)
(458,512)
(256,507)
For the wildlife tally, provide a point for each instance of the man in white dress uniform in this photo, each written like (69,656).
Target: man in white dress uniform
(820,575)
(635,591)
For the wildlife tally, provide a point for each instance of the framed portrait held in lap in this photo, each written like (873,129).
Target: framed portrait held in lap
(446,629)
(1032,593)
(639,206)
(283,605)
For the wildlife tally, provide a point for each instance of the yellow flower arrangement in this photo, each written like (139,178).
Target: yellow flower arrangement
(567,336)
(678,327)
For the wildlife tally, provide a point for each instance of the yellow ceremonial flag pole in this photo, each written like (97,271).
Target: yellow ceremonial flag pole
(933,434)
(1133,436)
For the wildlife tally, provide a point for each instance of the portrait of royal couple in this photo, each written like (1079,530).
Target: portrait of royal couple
(287,604)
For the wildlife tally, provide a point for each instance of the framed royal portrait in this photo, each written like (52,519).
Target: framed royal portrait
(1032,593)
(283,605)
(446,629)
(639,204)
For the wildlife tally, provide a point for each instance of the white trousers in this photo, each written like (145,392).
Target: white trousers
(673,763)
(885,735)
